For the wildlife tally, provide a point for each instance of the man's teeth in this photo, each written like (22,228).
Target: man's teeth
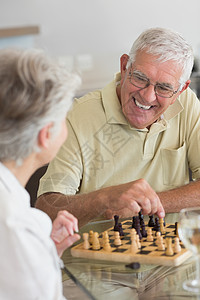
(141,106)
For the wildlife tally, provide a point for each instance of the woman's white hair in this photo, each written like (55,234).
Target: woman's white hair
(34,91)
(166,45)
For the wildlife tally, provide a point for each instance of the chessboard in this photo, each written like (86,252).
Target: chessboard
(147,253)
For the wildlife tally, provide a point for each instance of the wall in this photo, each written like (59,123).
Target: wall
(92,34)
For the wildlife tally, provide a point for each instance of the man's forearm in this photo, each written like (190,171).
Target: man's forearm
(85,207)
(125,200)
(185,196)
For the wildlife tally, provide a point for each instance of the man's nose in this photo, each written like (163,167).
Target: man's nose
(149,93)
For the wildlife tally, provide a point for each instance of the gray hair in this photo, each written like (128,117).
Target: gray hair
(34,91)
(167,45)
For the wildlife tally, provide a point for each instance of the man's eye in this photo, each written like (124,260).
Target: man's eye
(163,88)
(141,79)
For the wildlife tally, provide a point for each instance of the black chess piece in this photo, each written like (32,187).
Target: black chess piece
(141,217)
(176,228)
(116,226)
(121,233)
(133,223)
(157,225)
(143,229)
(137,227)
(151,221)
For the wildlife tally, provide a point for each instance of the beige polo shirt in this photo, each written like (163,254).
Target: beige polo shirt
(102,149)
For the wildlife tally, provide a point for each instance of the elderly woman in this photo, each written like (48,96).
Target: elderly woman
(35,94)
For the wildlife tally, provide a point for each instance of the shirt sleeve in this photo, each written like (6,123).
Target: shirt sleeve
(64,173)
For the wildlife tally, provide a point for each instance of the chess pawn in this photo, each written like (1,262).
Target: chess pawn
(86,244)
(160,243)
(91,236)
(169,250)
(149,235)
(133,233)
(107,247)
(158,235)
(117,240)
(177,246)
(133,247)
(95,242)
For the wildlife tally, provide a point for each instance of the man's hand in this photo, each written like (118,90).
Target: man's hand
(63,231)
(128,199)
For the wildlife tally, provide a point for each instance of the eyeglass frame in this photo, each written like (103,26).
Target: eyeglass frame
(149,83)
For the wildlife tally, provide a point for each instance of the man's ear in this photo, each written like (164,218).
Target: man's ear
(44,136)
(123,63)
(183,89)
(185,86)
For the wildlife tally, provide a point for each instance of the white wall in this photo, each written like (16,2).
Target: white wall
(99,30)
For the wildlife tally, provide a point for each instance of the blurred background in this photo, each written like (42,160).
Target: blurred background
(91,35)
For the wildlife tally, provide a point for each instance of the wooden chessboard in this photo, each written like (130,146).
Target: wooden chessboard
(148,254)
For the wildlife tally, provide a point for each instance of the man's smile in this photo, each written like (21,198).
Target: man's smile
(145,107)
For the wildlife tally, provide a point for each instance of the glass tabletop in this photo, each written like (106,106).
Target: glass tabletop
(113,280)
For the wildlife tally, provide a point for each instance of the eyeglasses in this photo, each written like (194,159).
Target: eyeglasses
(142,82)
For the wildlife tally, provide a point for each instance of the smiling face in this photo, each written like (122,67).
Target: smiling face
(142,107)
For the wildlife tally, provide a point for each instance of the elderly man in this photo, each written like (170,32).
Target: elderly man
(140,131)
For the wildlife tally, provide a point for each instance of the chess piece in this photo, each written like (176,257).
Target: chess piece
(176,230)
(133,233)
(133,222)
(157,225)
(107,246)
(169,250)
(158,235)
(160,243)
(162,228)
(95,241)
(143,230)
(149,235)
(91,236)
(105,238)
(138,241)
(86,244)
(137,227)
(121,233)
(133,247)
(177,246)
(117,240)
(141,217)
(116,227)
(151,222)
(105,235)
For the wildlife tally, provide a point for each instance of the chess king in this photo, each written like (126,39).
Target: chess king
(131,144)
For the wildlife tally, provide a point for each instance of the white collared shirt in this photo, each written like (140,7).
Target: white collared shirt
(29,264)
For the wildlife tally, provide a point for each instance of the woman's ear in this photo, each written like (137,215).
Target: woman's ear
(44,136)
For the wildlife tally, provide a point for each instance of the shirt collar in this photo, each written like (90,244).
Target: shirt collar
(112,104)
